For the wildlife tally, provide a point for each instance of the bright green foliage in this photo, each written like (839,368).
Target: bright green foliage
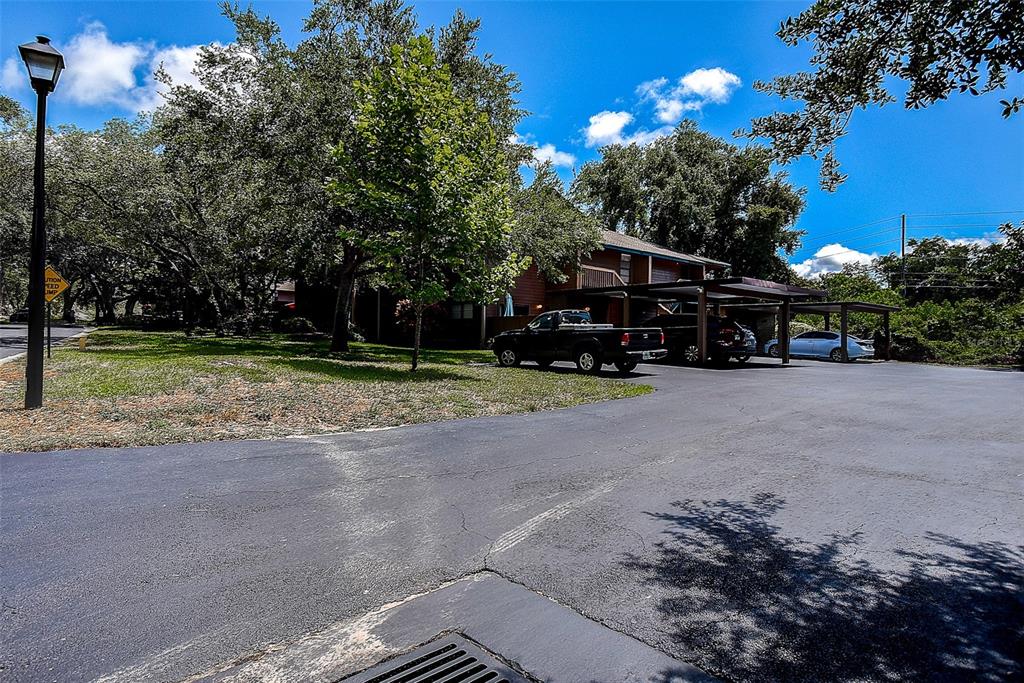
(698,194)
(16,148)
(935,46)
(550,229)
(427,185)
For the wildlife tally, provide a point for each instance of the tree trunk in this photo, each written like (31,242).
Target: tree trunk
(416,337)
(343,308)
(218,313)
(70,296)
(129,307)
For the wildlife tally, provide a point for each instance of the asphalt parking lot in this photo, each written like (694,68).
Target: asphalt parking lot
(812,522)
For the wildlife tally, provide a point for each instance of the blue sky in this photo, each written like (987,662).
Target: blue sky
(584,67)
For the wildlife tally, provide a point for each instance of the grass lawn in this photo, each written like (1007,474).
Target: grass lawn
(132,388)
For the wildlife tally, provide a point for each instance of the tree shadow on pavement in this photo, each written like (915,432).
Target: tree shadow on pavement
(743,601)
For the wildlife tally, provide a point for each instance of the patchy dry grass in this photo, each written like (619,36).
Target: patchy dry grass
(131,389)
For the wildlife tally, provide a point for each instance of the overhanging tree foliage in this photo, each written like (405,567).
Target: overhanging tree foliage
(549,229)
(936,47)
(425,186)
(698,194)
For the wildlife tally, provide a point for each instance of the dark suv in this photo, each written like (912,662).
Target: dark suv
(726,338)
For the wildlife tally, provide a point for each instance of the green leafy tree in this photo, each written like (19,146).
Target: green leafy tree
(426,183)
(307,97)
(936,47)
(550,229)
(16,147)
(698,194)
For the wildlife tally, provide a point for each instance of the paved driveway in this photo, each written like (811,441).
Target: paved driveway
(14,337)
(816,522)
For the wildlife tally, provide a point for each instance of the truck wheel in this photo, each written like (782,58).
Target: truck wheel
(742,359)
(588,360)
(508,357)
(691,354)
(626,367)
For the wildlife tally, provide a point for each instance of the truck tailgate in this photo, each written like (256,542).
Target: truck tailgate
(643,338)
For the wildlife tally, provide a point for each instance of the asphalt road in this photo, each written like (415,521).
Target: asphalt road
(14,337)
(816,522)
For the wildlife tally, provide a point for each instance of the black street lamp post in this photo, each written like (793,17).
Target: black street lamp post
(44,66)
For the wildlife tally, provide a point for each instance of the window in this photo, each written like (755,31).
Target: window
(576,318)
(462,311)
(542,322)
(624,266)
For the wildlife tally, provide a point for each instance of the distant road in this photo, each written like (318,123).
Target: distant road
(14,337)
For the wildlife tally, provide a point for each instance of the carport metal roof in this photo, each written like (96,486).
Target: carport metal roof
(825,307)
(721,289)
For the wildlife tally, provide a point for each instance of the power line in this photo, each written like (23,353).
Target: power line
(856,227)
(870,234)
(955,225)
(966,213)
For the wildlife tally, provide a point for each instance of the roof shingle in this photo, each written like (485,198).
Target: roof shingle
(617,240)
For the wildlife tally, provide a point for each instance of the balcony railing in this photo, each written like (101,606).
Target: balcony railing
(591,276)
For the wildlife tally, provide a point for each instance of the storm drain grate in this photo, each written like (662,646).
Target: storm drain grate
(452,659)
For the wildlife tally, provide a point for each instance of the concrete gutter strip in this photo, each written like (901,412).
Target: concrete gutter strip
(531,633)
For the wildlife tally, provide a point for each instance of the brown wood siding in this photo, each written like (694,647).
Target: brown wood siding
(604,259)
(641,270)
(529,289)
(666,271)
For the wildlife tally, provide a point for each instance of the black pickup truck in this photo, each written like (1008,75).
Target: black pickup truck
(572,335)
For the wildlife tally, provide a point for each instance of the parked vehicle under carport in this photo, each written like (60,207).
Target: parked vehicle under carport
(726,338)
(823,344)
(572,335)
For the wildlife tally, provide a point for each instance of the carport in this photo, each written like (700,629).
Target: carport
(827,309)
(721,292)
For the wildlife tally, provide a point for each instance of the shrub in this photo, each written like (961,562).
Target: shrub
(297,325)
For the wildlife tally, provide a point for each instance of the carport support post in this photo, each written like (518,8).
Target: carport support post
(843,337)
(784,331)
(887,333)
(625,310)
(828,322)
(702,324)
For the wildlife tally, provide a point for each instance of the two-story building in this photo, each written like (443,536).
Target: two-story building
(622,260)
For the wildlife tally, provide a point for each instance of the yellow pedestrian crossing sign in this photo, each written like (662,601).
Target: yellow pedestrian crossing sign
(55,284)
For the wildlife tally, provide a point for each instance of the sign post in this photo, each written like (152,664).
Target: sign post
(55,286)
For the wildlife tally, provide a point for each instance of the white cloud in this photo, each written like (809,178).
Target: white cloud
(178,63)
(715,85)
(690,93)
(14,75)
(830,259)
(606,127)
(103,72)
(549,153)
(986,240)
(100,71)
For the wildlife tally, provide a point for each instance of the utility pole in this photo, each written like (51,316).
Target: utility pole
(903,252)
